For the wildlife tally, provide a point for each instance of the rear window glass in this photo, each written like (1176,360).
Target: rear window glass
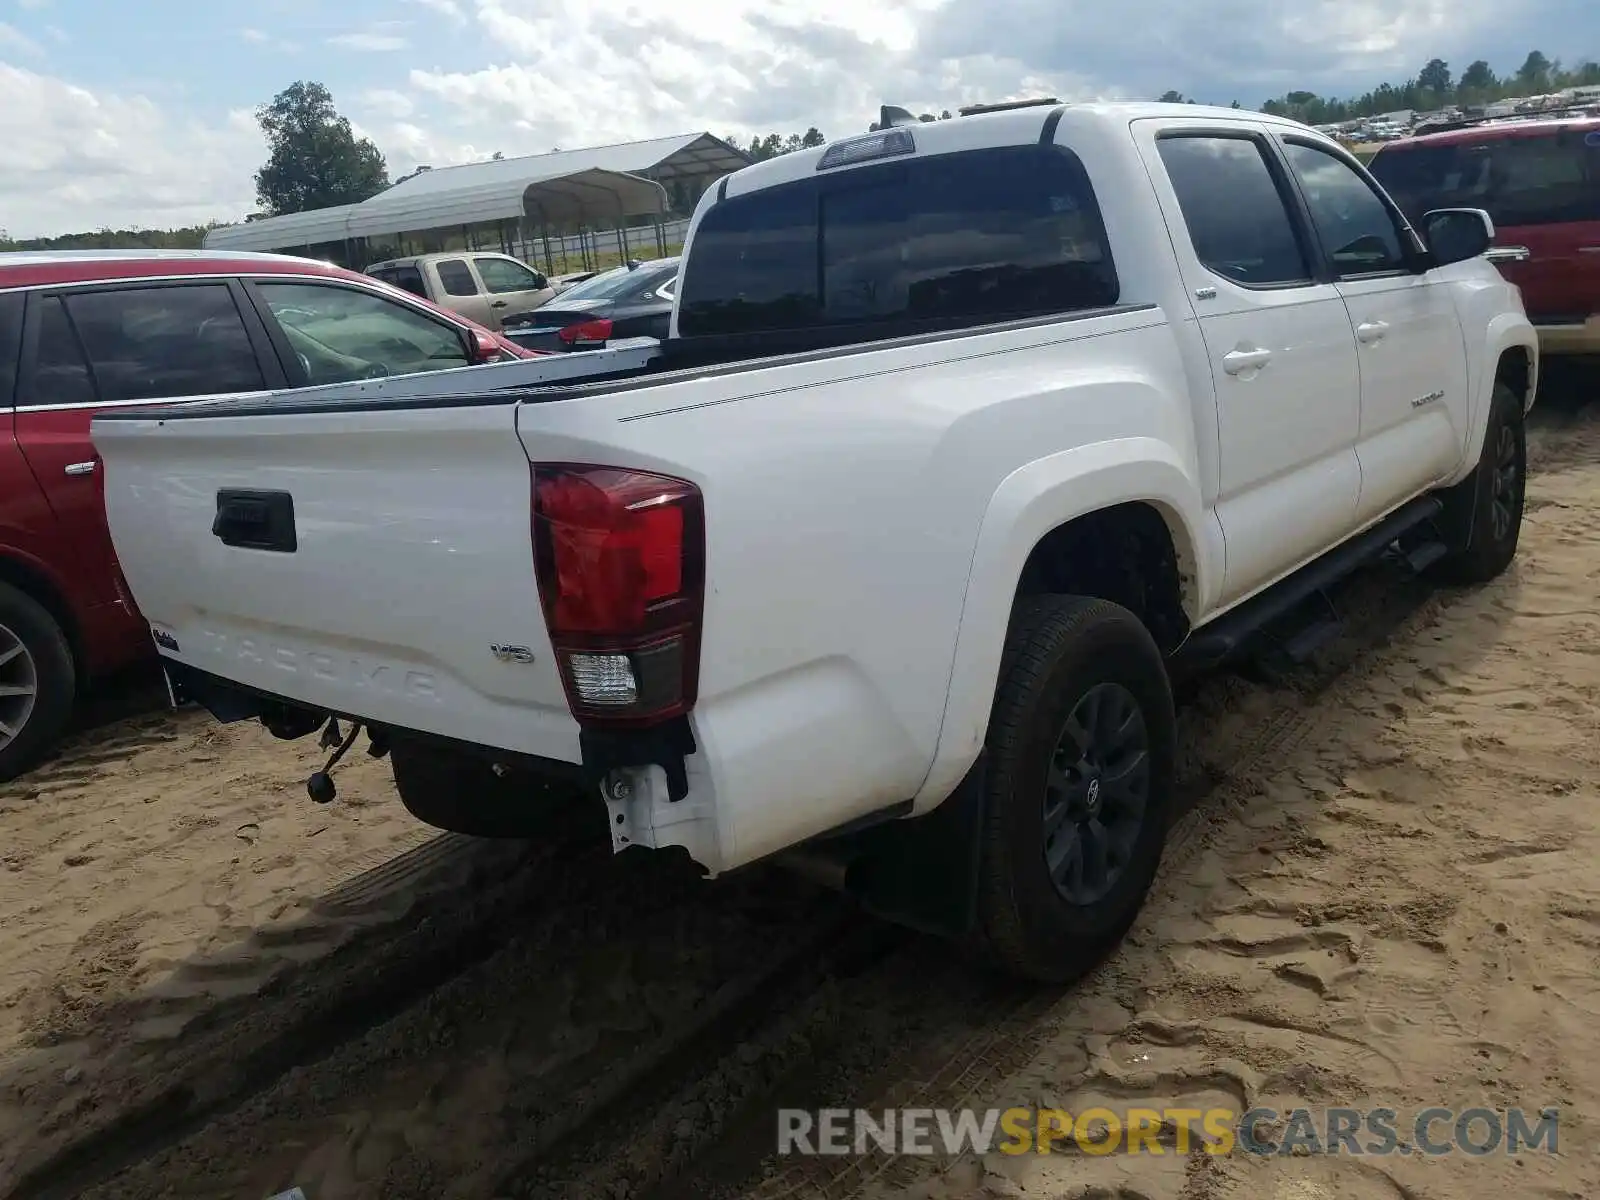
(1543,179)
(408,278)
(618,281)
(983,235)
(457,279)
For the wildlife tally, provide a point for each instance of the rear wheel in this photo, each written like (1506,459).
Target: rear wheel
(37,681)
(463,793)
(1498,485)
(1081,751)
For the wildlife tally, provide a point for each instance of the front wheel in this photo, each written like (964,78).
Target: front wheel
(1081,750)
(1498,485)
(37,681)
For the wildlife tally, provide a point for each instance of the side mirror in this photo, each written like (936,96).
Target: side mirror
(1456,234)
(539,281)
(484,348)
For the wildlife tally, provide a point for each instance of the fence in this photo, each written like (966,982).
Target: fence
(596,249)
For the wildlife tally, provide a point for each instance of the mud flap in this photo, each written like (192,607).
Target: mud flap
(1456,519)
(923,872)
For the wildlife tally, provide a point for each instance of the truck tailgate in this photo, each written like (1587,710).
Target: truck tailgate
(411,561)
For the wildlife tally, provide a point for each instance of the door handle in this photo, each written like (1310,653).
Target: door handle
(1498,254)
(1371,331)
(497,304)
(1237,361)
(83,468)
(1589,249)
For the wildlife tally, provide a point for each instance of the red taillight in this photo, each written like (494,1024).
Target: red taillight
(620,559)
(598,330)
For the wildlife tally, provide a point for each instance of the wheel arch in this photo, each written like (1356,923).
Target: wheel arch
(1136,486)
(37,584)
(1511,354)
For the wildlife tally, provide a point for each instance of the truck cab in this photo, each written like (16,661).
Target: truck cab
(487,288)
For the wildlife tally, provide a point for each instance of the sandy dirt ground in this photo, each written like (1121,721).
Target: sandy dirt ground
(1388,895)
(154,869)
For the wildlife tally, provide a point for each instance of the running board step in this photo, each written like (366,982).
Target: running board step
(1425,555)
(1226,636)
(1312,638)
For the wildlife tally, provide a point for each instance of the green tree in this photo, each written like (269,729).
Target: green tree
(314,158)
(1477,81)
(1534,74)
(1435,77)
(1170,97)
(190,238)
(762,148)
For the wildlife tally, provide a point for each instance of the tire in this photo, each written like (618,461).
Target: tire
(36,655)
(462,793)
(1063,652)
(1498,487)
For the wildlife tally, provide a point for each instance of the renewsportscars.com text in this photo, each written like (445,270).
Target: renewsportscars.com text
(1474,1132)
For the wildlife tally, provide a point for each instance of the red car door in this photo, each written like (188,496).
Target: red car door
(89,348)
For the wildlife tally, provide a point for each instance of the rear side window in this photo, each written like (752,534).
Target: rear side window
(457,278)
(60,370)
(149,343)
(1547,178)
(408,278)
(1234,210)
(978,236)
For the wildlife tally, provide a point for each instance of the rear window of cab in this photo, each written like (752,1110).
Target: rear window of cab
(953,239)
(1546,178)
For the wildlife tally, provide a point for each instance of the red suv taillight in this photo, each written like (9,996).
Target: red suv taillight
(620,560)
(586,332)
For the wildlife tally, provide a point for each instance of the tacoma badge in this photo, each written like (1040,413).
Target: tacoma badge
(511,654)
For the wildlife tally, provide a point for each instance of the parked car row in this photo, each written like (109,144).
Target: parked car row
(83,332)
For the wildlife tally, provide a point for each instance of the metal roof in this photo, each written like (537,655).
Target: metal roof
(292,229)
(599,185)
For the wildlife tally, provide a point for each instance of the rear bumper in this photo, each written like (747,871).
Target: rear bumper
(1570,339)
(228,702)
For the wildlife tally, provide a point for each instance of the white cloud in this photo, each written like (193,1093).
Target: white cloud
(32,4)
(257,37)
(12,38)
(448,8)
(386,102)
(585,74)
(376,39)
(100,159)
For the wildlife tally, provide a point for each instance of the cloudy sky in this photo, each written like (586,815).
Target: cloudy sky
(117,113)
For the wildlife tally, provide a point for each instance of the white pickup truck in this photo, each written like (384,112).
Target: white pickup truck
(1054,402)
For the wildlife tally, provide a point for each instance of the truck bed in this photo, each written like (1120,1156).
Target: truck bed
(412,557)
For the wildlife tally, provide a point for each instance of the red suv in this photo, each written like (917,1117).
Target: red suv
(1540,181)
(98,329)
